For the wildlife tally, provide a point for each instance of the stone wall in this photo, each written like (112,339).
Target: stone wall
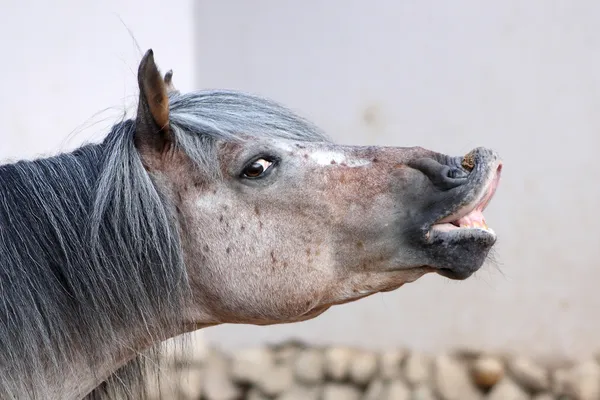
(296,371)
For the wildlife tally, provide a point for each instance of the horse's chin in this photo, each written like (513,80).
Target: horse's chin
(312,313)
(459,255)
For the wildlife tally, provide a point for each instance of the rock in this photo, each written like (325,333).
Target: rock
(487,371)
(422,392)
(309,367)
(300,392)
(337,362)
(375,390)
(507,389)
(276,380)
(217,380)
(249,365)
(582,381)
(453,381)
(390,364)
(529,374)
(363,367)
(560,381)
(543,396)
(287,352)
(397,390)
(392,390)
(417,369)
(336,391)
(255,394)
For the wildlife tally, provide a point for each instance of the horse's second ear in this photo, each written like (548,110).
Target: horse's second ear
(169,82)
(152,122)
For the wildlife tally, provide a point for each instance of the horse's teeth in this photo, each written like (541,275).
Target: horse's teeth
(474,224)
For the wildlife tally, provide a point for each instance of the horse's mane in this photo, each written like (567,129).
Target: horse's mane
(88,244)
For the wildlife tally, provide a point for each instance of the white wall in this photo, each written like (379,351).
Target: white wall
(63,62)
(520,77)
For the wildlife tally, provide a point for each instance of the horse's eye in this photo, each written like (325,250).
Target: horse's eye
(257,168)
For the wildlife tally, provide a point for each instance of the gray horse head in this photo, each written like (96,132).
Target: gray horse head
(278,223)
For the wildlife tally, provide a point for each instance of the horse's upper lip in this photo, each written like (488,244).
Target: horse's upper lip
(471,214)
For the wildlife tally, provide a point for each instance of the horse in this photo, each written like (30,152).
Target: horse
(207,208)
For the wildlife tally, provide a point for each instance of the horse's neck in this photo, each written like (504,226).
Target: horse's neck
(45,207)
(78,306)
(43,204)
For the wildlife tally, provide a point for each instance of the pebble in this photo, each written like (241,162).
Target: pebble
(301,392)
(507,389)
(560,381)
(423,392)
(375,390)
(248,366)
(487,371)
(255,394)
(397,390)
(582,381)
(417,369)
(390,364)
(363,367)
(337,362)
(452,380)
(336,391)
(529,374)
(217,381)
(543,396)
(276,380)
(287,352)
(309,367)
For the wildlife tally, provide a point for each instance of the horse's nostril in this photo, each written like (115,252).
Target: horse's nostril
(444,176)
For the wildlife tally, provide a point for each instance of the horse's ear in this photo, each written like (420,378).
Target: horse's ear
(169,82)
(152,122)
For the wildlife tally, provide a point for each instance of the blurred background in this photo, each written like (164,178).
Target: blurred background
(520,77)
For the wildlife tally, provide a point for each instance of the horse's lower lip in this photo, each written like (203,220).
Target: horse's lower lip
(450,229)
(454,274)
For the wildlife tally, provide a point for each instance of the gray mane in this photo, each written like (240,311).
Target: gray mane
(200,118)
(88,243)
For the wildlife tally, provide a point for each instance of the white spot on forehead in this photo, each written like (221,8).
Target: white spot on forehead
(326,157)
(284,146)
